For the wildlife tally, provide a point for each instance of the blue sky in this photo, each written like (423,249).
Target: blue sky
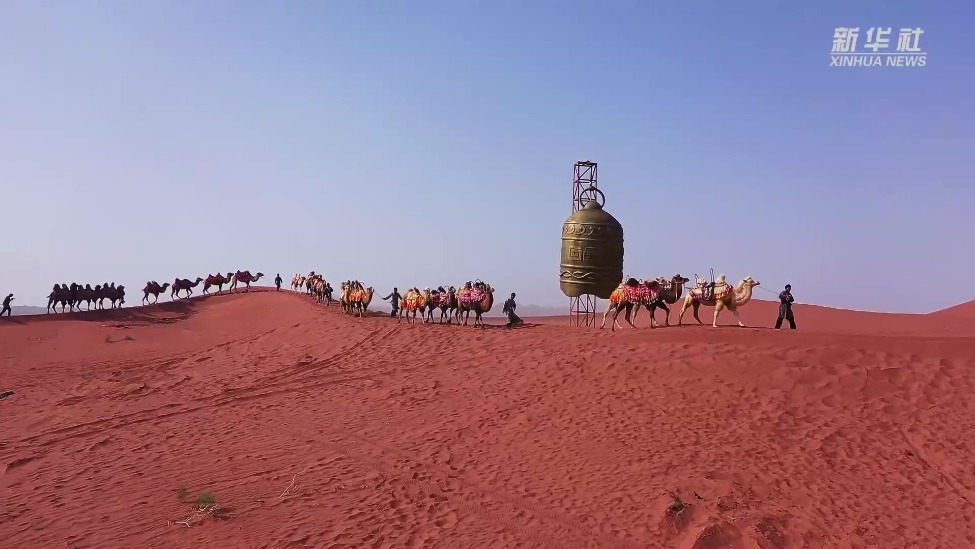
(422,143)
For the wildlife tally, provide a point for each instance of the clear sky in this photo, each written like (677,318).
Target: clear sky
(432,142)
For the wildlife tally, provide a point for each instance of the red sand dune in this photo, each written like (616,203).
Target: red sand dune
(312,429)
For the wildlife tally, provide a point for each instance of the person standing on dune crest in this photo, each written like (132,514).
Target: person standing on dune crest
(6,305)
(785,308)
(509,309)
(277,281)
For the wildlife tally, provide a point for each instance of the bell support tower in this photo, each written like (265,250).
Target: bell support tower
(582,309)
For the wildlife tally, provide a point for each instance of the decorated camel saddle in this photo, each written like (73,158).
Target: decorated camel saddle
(719,291)
(474,294)
(243,275)
(412,300)
(355,293)
(433,297)
(632,291)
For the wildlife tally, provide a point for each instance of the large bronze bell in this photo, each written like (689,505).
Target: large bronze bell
(592,251)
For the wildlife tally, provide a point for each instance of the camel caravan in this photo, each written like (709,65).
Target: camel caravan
(181,285)
(73,296)
(632,295)
(452,304)
(70,297)
(476,297)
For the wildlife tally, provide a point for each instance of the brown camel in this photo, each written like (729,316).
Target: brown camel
(448,304)
(86,294)
(477,297)
(153,287)
(59,294)
(355,298)
(433,300)
(246,277)
(115,295)
(724,296)
(217,280)
(628,295)
(317,285)
(103,292)
(184,284)
(309,279)
(412,301)
(671,291)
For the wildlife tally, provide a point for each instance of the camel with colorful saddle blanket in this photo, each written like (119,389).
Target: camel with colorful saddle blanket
(671,290)
(319,289)
(722,296)
(412,301)
(630,293)
(436,299)
(355,298)
(448,304)
(476,297)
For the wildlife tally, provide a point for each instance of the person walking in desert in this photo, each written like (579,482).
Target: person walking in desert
(6,305)
(278,281)
(785,308)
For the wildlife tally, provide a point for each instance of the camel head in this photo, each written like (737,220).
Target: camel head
(164,286)
(198,280)
(749,281)
(679,280)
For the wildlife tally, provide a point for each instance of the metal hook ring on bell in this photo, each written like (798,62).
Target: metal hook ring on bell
(590,194)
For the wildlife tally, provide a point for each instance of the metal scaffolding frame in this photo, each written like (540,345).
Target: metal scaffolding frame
(582,309)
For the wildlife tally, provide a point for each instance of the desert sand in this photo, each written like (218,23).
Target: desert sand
(314,429)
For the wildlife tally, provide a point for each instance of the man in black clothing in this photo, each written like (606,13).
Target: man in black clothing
(277,281)
(785,308)
(509,309)
(395,302)
(6,305)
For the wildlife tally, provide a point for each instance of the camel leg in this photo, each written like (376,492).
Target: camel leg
(697,310)
(734,309)
(616,315)
(626,316)
(606,315)
(680,317)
